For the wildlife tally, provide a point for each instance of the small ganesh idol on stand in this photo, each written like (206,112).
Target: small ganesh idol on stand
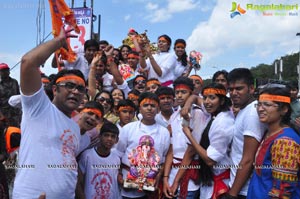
(143,165)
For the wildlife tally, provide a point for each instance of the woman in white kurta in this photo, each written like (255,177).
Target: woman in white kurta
(183,67)
(161,65)
(214,145)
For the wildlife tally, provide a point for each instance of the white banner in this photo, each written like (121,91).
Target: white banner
(84,21)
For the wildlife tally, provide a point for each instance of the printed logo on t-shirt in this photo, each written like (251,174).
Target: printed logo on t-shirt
(69,146)
(102,183)
(144,164)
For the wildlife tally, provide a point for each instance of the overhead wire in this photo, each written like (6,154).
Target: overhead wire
(40,27)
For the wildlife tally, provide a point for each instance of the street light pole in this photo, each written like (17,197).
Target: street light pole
(298,67)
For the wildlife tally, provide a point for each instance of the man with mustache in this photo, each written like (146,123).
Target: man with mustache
(50,138)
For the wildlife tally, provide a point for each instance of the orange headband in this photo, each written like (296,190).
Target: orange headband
(139,78)
(165,96)
(132,96)
(11,130)
(148,101)
(182,86)
(71,77)
(45,80)
(93,110)
(276,98)
(163,39)
(128,108)
(216,91)
(194,77)
(180,45)
(133,56)
(152,82)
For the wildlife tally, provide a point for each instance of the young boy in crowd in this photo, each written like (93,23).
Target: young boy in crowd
(90,116)
(126,111)
(166,98)
(152,85)
(99,166)
(183,181)
(132,136)
(133,95)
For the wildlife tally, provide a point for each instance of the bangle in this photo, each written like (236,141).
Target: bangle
(165,176)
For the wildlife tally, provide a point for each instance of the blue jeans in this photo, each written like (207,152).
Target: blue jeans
(193,194)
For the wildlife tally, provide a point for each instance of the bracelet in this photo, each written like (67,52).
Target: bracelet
(165,176)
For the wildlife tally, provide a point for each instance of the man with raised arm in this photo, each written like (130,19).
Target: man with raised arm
(50,138)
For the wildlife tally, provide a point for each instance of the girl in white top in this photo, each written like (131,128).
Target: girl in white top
(161,65)
(183,67)
(214,145)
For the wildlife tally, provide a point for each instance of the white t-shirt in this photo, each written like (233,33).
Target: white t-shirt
(80,64)
(160,119)
(129,139)
(220,137)
(85,142)
(119,126)
(179,69)
(167,63)
(125,88)
(108,82)
(246,124)
(50,142)
(15,101)
(180,142)
(101,174)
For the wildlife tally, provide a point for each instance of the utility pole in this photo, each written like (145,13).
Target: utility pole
(298,67)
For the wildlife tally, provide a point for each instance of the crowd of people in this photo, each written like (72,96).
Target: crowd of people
(132,123)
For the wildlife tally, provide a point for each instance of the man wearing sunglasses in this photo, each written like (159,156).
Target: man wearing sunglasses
(139,83)
(50,138)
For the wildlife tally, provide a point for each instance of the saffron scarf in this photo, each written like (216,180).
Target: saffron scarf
(60,10)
